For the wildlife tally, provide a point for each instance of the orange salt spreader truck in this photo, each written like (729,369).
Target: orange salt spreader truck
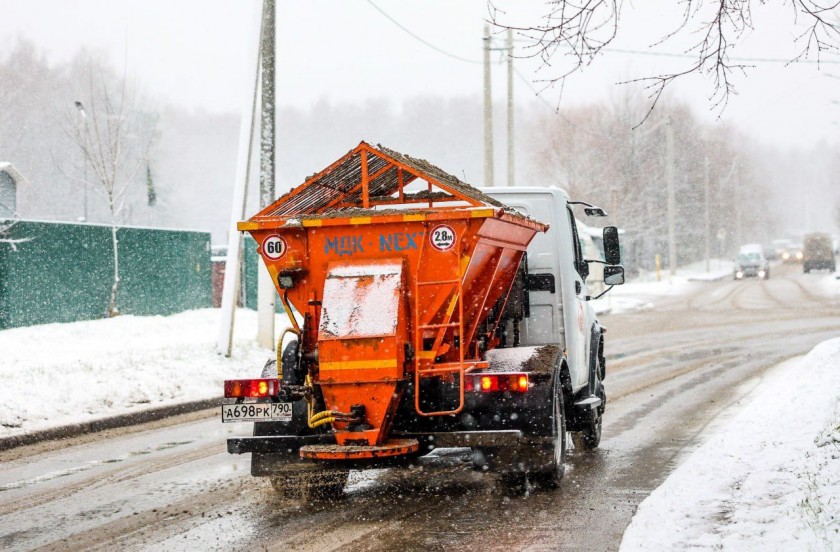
(405,289)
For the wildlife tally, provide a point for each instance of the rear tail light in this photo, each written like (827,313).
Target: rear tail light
(488,383)
(251,388)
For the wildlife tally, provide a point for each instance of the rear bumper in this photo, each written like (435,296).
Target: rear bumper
(290,444)
(287,444)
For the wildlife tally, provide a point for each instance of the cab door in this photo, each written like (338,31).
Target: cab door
(578,317)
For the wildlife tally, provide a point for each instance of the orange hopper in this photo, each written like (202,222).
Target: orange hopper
(394,266)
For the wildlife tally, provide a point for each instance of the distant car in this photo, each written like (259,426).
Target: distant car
(788,251)
(818,253)
(781,247)
(770,253)
(751,264)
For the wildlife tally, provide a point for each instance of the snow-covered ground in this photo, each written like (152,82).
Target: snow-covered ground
(58,374)
(768,480)
(636,295)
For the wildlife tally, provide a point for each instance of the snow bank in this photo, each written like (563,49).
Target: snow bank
(769,480)
(634,296)
(57,374)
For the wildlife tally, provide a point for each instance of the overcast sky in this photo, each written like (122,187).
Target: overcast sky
(194,52)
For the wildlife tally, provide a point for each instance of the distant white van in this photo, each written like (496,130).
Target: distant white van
(751,248)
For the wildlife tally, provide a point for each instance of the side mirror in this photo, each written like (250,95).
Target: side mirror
(612,249)
(613,275)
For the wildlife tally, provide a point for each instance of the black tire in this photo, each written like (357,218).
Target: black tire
(289,365)
(310,483)
(544,462)
(552,477)
(589,437)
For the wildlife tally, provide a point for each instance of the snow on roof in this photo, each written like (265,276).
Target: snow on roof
(339,187)
(10,169)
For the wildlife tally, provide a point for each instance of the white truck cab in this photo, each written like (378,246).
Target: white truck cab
(558,310)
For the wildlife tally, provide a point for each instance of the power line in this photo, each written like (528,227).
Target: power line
(613,50)
(418,38)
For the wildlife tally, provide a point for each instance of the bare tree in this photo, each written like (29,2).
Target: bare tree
(579,30)
(115,144)
(6,226)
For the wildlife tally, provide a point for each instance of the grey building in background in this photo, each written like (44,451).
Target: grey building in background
(9,180)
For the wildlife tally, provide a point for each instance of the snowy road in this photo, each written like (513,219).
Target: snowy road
(674,374)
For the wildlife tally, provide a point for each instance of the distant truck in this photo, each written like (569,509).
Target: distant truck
(427,314)
(818,253)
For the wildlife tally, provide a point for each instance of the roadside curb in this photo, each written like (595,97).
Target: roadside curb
(121,420)
(710,279)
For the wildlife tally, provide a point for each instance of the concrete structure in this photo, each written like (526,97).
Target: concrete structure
(9,179)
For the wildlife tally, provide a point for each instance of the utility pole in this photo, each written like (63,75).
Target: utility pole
(736,194)
(706,221)
(81,109)
(672,240)
(233,262)
(488,113)
(265,287)
(510,166)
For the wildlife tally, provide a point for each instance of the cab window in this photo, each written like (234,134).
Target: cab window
(580,265)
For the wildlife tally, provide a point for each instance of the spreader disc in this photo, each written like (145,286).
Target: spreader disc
(391,447)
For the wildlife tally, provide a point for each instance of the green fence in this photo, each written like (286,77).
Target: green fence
(63,272)
(249,281)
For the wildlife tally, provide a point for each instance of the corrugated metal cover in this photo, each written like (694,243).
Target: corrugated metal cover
(338,188)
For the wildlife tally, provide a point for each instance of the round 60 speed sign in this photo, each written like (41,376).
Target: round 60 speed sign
(273,247)
(442,237)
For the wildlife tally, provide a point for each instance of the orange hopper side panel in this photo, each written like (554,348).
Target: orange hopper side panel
(367,289)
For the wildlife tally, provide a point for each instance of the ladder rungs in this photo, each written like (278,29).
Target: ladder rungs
(433,326)
(438,282)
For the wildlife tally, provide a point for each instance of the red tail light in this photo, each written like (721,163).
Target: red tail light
(488,383)
(251,388)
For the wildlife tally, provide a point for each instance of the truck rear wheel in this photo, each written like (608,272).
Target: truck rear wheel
(310,482)
(544,463)
(553,475)
(589,438)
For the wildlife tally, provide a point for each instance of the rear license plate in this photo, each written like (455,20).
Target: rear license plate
(257,412)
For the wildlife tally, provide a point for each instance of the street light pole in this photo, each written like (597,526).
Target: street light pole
(510,167)
(488,113)
(672,207)
(81,109)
